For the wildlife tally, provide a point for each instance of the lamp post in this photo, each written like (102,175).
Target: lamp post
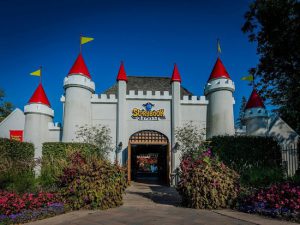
(118,149)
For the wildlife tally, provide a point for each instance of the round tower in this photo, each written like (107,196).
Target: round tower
(121,117)
(256,116)
(38,114)
(79,88)
(218,91)
(175,107)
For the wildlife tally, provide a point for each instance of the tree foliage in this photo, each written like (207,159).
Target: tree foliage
(240,120)
(275,27)
(98,136)
(190,139)
(5,107)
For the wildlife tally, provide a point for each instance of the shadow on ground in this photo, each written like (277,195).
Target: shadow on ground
(159,194)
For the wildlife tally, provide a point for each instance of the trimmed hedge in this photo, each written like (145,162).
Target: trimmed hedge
(16,165)
(256,159)
(58,149)
(240,152)
(16,150)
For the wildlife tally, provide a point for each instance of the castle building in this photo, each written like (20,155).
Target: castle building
(141,112)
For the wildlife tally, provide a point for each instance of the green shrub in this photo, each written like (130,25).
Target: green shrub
(254,158)
(262,176)
(55,158)
(206,183)
(16,165)
(91,182)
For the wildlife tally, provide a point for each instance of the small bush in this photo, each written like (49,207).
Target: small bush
(206,183)
(55,158)
(91,182)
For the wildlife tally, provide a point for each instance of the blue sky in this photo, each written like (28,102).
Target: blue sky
(149,36)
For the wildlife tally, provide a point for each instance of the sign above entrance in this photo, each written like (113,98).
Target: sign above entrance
(148,113)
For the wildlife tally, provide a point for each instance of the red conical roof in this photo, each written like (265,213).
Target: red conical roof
(255,101)
(176,74)
(39,96)
(79,67)
(219,71)
(122,73)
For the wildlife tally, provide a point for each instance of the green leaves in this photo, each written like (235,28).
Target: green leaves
(93,181)
(275,27)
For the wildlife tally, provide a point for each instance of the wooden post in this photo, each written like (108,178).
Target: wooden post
(129,161)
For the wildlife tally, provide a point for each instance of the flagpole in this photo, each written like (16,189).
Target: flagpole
(41,74)
(80,49)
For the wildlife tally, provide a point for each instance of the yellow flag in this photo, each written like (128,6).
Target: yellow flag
(36,73)
(219,46)
(84,40)
(249,78)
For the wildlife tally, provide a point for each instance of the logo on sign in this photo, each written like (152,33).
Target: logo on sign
(148,113)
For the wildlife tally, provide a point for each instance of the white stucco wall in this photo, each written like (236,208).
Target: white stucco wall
(106,114)
(14,121)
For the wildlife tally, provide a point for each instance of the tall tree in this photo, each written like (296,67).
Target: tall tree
(275,26)
(240,119)
(5,107)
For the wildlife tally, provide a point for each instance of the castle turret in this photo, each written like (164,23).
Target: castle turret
(175,82)
(79,88)
(218,91)
(38,114)
(256,116)
(121,107)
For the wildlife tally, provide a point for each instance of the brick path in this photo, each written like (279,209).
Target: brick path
(155,205)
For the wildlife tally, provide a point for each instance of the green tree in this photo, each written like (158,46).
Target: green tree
(240,120)
(97,135)
(275,26)
(5,107)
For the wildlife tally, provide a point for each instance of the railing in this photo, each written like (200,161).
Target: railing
(290,159)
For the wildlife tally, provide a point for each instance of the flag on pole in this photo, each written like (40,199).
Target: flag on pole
(84,40)
(219,46)
(36,73)
(249,78)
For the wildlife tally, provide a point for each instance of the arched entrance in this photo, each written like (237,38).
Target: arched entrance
(149,157)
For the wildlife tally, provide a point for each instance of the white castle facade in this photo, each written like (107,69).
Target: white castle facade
(142,114)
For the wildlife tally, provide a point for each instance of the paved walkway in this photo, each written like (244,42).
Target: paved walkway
(155,205)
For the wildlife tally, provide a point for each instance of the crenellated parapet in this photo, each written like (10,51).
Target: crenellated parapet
(149,95)
(39,109)
(255,112)
(104,98)
(218,85)
(194,100)
(79,81)
(54,126)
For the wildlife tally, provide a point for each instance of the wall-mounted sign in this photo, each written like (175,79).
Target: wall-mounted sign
(16,135)
(147,113)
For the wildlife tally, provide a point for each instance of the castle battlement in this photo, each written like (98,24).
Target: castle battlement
(255,112)
(99,98)
(194,100)
(149,95)
(79,81)
(219,84)
(38,109)
(54,126)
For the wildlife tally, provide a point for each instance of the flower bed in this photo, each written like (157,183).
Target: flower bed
(15,208)
(278,200)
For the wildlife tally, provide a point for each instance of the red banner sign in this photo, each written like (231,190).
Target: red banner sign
(16,135)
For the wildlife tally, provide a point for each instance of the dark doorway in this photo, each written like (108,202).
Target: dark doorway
(149,163)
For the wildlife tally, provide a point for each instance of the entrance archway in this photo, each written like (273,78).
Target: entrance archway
(149,156)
